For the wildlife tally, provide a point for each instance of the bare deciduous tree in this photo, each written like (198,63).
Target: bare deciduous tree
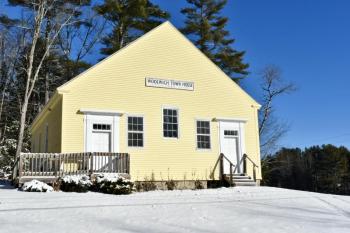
(84,35)
(270,128)
(11,45)
(40,26)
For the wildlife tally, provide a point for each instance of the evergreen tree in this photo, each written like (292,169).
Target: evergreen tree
(206,28)
(319,168)
(129,20)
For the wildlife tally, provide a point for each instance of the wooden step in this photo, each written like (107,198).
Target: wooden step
(251,183)
(240,177)
(240,180)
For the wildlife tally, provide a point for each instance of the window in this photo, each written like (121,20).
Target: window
(203,134)
(231,133)
(135,131)
(170,123)
(103,127)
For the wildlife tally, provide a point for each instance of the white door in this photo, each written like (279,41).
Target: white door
(101,141)
(230,148)
(101,132)
(232,144)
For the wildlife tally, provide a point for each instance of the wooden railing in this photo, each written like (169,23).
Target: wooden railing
(59,164)
(233,167)
(222,157)
(255,166)
(220,161)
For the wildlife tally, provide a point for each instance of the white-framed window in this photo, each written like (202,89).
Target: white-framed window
(170,123)
(231,133)
(135,131)
(101,127)
(203,134)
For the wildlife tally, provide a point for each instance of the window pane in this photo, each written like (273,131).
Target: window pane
(170,123)
(174,134)
(101,127)
(231,132)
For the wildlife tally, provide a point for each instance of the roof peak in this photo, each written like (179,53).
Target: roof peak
(165,23)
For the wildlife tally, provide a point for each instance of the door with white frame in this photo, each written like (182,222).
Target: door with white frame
(232,144)
(101,135)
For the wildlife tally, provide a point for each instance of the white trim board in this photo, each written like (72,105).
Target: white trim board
(230,119)
(100,112)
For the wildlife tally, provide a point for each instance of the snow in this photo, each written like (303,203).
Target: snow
(239,209)
(109,177)
(36,186)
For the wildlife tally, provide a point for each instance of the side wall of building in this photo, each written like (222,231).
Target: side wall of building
(48,129)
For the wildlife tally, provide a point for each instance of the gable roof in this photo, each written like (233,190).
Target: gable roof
(166,26)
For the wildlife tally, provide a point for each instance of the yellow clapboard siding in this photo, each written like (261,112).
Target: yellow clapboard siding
(51,116)
(118,83)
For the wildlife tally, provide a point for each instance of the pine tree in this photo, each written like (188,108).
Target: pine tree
(206,28)
(129,20)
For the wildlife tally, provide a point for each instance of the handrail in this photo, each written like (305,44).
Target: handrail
(243,160)
(231,167)
(221,168)
(245,156)
(227,159)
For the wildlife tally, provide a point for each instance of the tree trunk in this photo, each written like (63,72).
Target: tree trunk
(121,36)
(47,87)
(47,62)
(22,127)
(30,80)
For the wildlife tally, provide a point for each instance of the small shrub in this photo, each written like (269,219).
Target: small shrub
(56,185)
(198,184)
(113,184)
(149,184)
(36,186)
(75,183)
(170,184)
(138,186)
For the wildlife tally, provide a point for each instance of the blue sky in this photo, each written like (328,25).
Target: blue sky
(310,41)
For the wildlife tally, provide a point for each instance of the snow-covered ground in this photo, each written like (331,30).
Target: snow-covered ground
(241,209)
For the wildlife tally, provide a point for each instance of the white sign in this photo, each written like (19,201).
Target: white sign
(172,84)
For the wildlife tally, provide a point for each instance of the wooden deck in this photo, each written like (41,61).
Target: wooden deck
(47,167)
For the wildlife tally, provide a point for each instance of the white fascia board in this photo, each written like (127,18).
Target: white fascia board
(230,119)
(100,112)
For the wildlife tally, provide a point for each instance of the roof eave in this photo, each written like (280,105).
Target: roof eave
(53,100)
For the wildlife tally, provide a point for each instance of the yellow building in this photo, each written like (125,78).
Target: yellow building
(162,101)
